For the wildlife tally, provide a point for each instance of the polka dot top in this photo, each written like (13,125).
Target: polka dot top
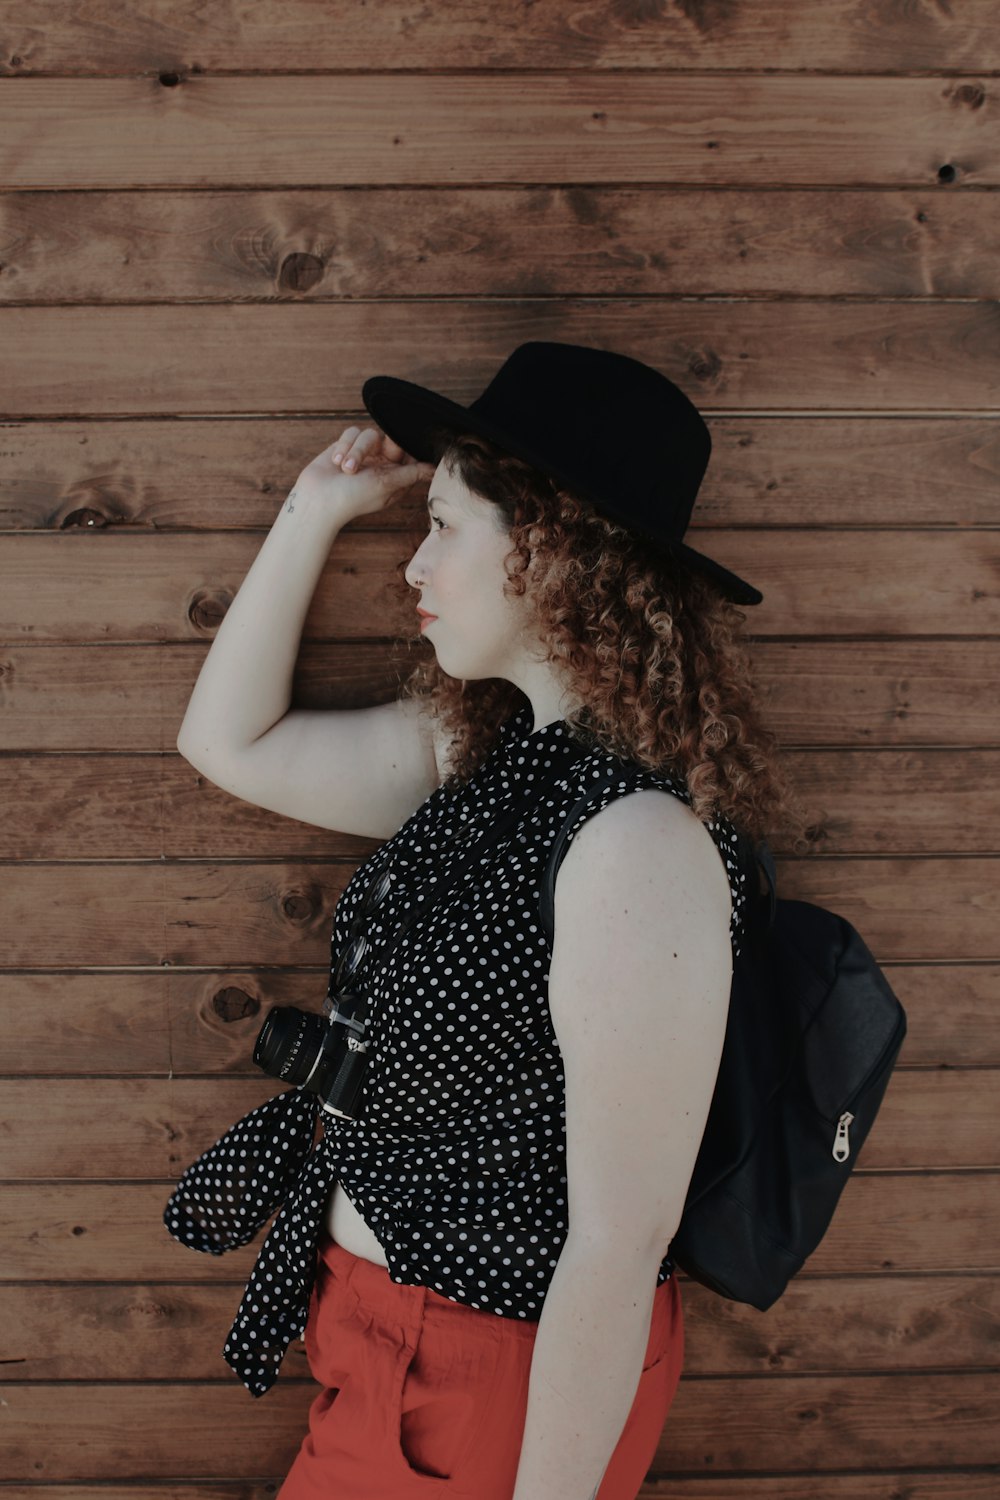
(456,1155)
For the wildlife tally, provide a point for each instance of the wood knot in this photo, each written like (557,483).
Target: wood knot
(147,1311)
(300,272)
(705,366)
(972,95)
(300,906)
(86,515)
(208,609)
(583,205)
(234,1004)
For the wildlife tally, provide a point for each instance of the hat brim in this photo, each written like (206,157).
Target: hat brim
(407,413)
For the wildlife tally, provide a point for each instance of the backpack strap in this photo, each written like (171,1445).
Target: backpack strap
(766,860)
(751,857)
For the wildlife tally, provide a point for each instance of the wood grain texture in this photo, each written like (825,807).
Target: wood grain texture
(221,474)
(885,1222)
(246,913)
(783,1424)
(134,1332)
(939,1484)
(477,127)
(130,806)
(576,240)
(790,211)
(927,583)
(942,1484)
(806,356)
(199,1021)
(129,1128)
(699,34)
(814,692)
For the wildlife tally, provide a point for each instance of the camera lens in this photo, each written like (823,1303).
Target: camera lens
(290,1042)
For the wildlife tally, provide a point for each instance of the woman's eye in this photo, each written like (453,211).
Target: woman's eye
(438,519)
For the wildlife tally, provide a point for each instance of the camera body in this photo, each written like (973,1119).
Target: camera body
(327,1056)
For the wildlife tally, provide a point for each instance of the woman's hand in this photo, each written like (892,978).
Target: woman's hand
(363,471)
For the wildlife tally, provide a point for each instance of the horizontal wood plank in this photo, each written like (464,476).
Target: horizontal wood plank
(883,37)
(177,1021)
(831,1422)
(129,806)
(814,583)
(885,1222)
(943,1484)
(891,1484)
(133,1332)
(127,1129)
(217,474)
(898,801)
(848,358)
(879,693)
(783,1424)
(937,1484)
(247,913)
(593,240)
(476,127)
(888,900)
(814,693)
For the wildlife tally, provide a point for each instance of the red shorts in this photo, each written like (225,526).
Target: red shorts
(423,1397)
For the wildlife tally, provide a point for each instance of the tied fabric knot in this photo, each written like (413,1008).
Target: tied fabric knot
(275,1305)
(227,1196)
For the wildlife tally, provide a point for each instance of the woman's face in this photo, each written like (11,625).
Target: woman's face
(458,573)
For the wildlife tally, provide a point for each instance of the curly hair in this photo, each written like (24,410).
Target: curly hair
(651,649)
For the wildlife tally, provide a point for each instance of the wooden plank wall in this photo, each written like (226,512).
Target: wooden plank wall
(214,224)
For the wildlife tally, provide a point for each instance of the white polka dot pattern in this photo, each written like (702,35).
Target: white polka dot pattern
(457,1156)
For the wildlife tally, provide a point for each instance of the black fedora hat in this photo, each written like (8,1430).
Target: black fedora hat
(611,429)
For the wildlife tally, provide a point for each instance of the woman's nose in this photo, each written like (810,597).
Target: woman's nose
(413,574)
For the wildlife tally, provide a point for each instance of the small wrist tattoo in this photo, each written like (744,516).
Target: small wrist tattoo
(290,506)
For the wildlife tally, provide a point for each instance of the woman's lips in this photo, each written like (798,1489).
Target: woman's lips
(425,618)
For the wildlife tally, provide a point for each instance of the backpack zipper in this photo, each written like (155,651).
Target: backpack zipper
(841,1144)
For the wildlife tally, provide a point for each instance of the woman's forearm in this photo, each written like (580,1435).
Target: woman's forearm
(245,683)
(585,1366)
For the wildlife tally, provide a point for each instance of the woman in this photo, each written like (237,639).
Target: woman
(479,1236)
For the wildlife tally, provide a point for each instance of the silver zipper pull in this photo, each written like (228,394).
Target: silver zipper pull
(841,1145)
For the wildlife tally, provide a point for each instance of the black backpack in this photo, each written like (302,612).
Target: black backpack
(813,1034)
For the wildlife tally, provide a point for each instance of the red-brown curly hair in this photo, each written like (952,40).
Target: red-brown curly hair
(654,652)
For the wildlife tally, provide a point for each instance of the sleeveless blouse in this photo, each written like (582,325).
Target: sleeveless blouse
(457,1156)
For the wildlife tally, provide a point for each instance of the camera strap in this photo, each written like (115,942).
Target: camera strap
(356,1015)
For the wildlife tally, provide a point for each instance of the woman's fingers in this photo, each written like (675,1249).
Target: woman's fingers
(354,446)
(368,442)
(339,450)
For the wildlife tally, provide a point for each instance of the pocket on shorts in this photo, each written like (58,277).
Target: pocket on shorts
(330,1340)
(443,1395)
